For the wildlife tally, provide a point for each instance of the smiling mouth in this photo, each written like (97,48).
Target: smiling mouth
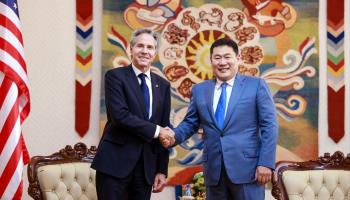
(223,69)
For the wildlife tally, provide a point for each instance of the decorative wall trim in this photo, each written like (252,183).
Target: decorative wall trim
(83,65)
(335,69)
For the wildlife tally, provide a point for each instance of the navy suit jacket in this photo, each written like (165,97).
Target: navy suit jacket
(129,133)
(249,135)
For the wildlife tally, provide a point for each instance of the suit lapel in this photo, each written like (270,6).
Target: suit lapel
(134,85)
(236,93)
(210,89)
(155,94)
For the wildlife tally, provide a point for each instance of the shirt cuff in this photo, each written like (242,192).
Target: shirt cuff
(156,134)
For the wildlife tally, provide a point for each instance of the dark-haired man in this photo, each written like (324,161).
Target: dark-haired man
(238,117)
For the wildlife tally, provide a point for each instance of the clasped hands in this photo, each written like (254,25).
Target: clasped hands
(166,137)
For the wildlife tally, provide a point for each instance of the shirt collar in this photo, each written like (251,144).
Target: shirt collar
(137,72)
(229,82)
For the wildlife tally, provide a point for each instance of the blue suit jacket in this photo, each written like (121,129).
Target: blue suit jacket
(249,136)
(129,133)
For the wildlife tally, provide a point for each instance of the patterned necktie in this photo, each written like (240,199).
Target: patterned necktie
(145,91)
(220,108)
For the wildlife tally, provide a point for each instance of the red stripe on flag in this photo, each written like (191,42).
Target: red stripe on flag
(10,49)
(19,191)
(9,125)
(5,22)
(25,155)
(9,72)
(4,88)
(25,112)
(10,168)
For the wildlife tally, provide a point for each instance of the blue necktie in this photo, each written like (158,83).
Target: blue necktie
(145,91)
(220,108)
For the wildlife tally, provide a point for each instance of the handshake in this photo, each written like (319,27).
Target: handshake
(166,137)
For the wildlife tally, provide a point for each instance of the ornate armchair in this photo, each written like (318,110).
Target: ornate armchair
(328,177)
(63,175)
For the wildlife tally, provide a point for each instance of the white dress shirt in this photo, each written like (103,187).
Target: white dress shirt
(149,85)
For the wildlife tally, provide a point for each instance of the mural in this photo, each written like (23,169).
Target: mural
(276,41)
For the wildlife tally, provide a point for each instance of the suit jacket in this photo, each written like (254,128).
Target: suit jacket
(249,135)
(129,133)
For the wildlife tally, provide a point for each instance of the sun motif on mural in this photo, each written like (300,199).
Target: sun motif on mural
(198,53)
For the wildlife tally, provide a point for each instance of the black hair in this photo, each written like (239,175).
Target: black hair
(224,42)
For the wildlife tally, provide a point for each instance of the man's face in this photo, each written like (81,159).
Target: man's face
(143,52)
(225,62)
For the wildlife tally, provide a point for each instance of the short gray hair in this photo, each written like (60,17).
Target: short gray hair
(138,32)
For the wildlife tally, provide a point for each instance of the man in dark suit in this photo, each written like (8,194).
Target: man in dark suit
(239,121)
(130,159)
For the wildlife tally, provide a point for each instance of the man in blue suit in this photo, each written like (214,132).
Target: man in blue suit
(130,159)
(238,117)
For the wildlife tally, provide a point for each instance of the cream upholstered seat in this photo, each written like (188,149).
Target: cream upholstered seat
(63,175)
(327,178)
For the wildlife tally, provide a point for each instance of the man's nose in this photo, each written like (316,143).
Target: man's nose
(144,50)
(222,61)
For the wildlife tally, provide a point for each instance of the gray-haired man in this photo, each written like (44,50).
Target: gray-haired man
(130,159)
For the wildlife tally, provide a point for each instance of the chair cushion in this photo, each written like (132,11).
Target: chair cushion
(74,180)
(317,184)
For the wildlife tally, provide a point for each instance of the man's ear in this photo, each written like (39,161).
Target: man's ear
(238,56)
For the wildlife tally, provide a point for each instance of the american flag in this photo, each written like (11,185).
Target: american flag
(14,102)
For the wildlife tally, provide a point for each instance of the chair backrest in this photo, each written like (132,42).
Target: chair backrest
(63,175)
(325,178)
